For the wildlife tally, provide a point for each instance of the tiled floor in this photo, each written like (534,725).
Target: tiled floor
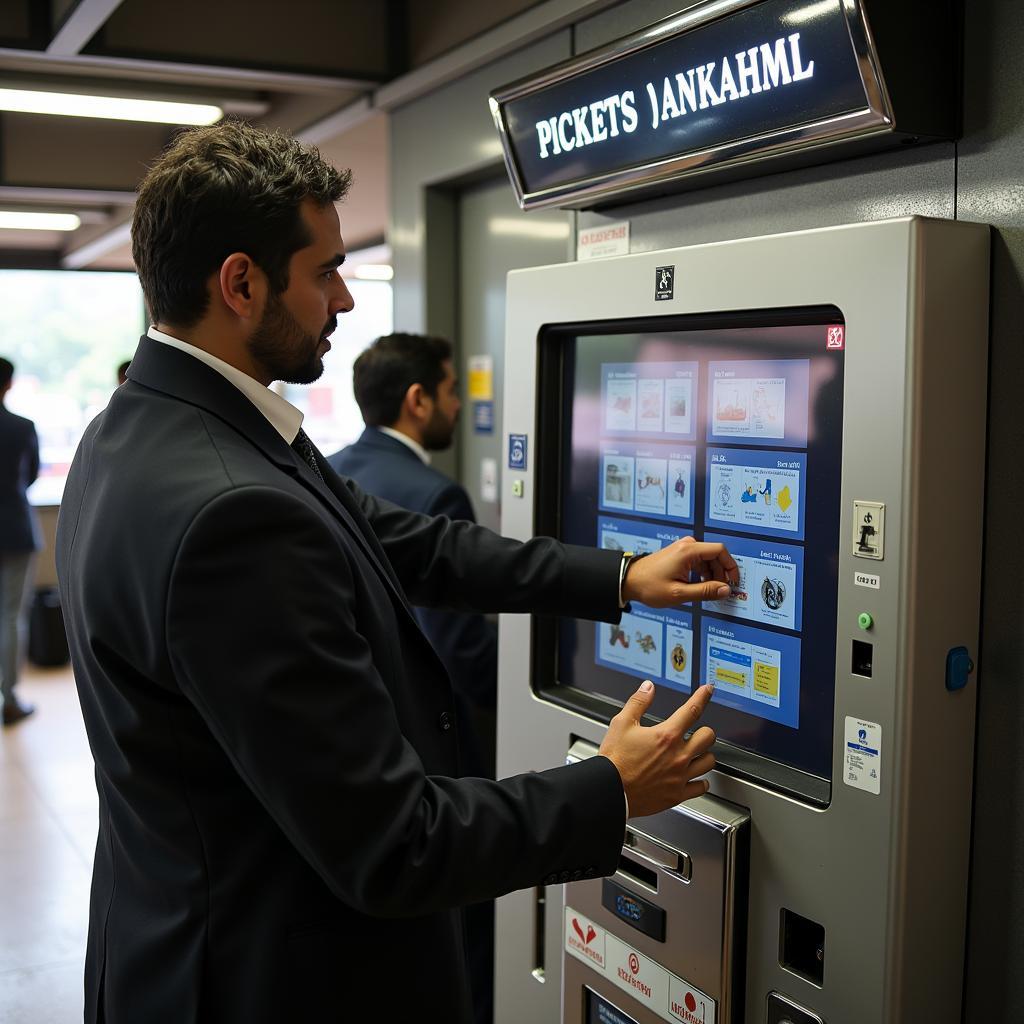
(47,834)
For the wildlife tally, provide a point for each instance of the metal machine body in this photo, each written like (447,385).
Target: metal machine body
(844,898)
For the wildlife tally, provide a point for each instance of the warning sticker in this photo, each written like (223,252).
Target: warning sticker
(584,939)
(862,768)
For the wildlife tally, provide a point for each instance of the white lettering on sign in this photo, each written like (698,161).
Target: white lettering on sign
(771,65)
(583,126)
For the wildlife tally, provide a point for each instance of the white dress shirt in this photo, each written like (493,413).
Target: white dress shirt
(421,452)
(283,416)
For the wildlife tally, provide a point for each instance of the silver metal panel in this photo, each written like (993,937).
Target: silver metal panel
(913,293)
(712,835)
(989,189)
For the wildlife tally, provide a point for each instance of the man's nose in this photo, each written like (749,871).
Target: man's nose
(343,301)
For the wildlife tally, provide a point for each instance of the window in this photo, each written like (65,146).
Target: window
(66,332)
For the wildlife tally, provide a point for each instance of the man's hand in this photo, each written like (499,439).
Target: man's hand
(662,579)
(658,767)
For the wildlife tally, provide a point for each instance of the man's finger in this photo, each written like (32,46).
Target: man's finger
(636,707)
(701,740)
(709,590)
(700,765)
(683,720)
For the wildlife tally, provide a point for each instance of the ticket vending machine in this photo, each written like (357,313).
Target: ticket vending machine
(817,402)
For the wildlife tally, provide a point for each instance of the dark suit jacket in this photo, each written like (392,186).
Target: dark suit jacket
(280,837)
(466,642)
(19,467)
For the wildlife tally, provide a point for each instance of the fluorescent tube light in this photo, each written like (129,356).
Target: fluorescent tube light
(374,272)
(38,221)
(117,108)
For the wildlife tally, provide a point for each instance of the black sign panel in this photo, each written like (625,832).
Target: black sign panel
(699,89)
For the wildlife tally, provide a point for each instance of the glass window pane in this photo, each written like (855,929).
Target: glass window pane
(66,332)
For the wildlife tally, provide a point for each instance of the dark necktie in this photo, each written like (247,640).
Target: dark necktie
(304,447)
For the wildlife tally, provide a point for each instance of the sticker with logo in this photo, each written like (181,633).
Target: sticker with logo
(688,1004)
(646,981)
(584,939)
(517,451)
(664,283)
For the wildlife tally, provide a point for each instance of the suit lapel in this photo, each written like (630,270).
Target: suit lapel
(182,376)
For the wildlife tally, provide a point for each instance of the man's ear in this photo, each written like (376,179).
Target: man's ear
(414,401)
(241,284)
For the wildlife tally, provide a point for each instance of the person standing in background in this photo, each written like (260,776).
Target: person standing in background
(19,540)
(407,392)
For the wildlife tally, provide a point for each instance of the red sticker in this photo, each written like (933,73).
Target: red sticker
(836,338)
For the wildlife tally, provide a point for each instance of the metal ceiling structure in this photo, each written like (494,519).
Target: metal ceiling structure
(326,71)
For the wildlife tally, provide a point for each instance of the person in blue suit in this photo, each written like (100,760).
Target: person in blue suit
(406,389)
(19,539)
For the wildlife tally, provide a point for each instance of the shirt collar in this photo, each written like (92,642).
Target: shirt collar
(421,452)
(282,415)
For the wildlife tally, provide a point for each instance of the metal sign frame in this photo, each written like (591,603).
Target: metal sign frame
(876,118)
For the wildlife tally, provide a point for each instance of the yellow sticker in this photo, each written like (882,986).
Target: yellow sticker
(481,378)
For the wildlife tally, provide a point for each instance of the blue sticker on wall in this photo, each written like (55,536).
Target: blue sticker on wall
(517,451)
(483,417)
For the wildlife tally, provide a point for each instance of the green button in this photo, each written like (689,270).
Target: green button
(865,621)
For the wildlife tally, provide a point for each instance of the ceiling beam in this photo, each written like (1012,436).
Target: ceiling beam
(65,196)
(179,73)
(513,34)
(111,239)
(84,20)
(341,121)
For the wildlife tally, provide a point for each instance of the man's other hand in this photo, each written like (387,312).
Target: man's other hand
(659,767)
(662,579)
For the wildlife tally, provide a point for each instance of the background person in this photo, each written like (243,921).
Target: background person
(407,392)
(280,834)
(19,540)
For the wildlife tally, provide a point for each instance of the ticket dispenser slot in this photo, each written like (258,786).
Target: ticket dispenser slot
(665,937)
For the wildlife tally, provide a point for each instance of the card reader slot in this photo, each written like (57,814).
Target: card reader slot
(636,872)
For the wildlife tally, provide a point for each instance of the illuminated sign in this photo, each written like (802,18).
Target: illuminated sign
(725,83)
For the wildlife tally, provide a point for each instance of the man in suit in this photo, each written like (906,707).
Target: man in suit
(407,392)
(19,540)
(281,834)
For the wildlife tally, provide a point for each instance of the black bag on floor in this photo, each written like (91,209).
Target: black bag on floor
(47,641)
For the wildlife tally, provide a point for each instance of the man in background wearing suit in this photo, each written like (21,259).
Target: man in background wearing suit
(19,539)
(281,835)
(406,389)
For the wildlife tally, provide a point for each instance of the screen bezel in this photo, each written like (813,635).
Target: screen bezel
(553,426)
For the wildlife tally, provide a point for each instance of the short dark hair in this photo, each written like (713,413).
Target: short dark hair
(6,372)
(122,370)
(225,188)
(390,366)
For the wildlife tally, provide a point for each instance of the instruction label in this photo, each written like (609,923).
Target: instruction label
(863,755)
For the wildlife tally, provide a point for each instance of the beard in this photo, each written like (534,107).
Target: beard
(438,433)
(284,349)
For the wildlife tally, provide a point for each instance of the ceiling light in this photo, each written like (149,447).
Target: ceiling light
(374,272)
(117,108)
(39,221)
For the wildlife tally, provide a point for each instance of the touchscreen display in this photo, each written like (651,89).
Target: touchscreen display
(731,432)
